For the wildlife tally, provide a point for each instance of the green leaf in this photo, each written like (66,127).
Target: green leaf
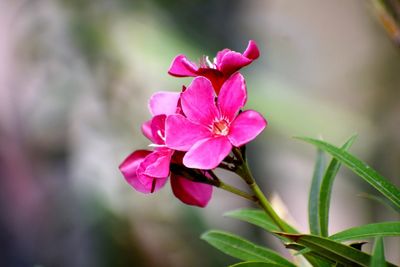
(260,219)
(381,200)
(389,190)
(255,264)
(253,216)
(313,200)
(326,189)
(378,255)
(333,250)
(243,249)
(368,230)
(313,258)
(256,217)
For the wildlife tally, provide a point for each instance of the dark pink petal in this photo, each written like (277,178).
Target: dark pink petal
(233,61)
(182,134)
(150,184)
(215,76)
(252,51)
(198,102)
(163,103)
(155,164)
(129,168)
(207,154)
(232,96)
(220,55)
(246,127)
(158,129)
(182,67)
(146,130)
(189,192)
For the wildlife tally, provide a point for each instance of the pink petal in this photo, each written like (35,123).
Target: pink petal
(232,96)
(252,51)
(182,67)
(129,169)
(155,164)
(146,130)
(150,184)
(221,54)
(163,103)
(207,154)
(246,127)
(198,102)
(233,61)
(182,134)
(158,129)
(189,192)
(215,76)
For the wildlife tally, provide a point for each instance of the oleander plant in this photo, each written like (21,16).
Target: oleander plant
(205,127)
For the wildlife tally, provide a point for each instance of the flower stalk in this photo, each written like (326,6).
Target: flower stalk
(244,172)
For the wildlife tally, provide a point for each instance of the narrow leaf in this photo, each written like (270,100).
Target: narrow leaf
(243,249)
(260,219)
(313,200)
(335,251)
(255,264)
(389,190)
(381,200)
(378,256)
(256,217)
(313,258)
(326,189)
(368,230)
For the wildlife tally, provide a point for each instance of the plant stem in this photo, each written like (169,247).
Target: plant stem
(244,172)
(236,191)
(220,184)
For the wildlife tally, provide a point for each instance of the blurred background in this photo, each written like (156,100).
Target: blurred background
(75,78)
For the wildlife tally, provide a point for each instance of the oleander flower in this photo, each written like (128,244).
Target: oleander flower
(148,171)
(212,125)
(220,69)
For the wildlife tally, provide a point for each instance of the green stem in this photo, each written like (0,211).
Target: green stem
(236,191)
(220,184)
(244,172)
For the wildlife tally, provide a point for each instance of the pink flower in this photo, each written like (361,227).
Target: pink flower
(211,127)
(148,171)
(134,170)
(223,66)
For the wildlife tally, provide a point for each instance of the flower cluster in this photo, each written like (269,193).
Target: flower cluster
(194,131)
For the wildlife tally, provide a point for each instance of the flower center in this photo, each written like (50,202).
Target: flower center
(220,127)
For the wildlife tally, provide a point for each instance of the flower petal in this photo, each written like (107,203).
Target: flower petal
(129,168)
(252,51)
(198,102)
(207,154)
(216,77)
(150,184)
(163,103)
(182,67)
(182,134)
(158,129)
(232,96)
(233,61)
(189,192)
(156,164)
(146,130)
(220,55)
(246,127)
